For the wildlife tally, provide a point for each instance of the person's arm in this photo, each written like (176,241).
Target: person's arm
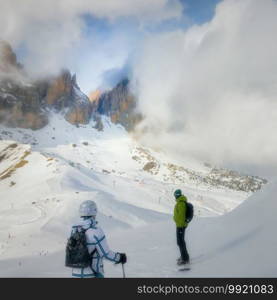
(175,214)
(103,247)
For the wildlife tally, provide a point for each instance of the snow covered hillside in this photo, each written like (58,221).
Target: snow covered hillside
(46,174)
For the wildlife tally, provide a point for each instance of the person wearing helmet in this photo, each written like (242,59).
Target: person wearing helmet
(96,243)
(181,224)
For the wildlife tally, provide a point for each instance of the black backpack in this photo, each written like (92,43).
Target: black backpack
(189,212)
(76,253)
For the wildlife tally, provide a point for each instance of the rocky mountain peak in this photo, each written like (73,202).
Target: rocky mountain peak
(59,90)
(7,57)
(25,103)
(94,95)
(119,104)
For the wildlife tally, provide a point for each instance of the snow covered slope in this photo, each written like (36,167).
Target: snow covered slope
(241,243)
(46,174)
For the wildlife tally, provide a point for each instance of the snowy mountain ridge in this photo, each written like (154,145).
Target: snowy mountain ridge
(154,163)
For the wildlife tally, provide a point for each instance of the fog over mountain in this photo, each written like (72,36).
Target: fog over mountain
(210,91)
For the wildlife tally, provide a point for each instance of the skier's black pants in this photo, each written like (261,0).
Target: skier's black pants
(180,233)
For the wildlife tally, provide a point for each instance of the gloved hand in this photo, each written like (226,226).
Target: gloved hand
(122,258)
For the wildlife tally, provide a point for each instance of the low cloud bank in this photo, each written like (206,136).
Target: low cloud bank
(211,92)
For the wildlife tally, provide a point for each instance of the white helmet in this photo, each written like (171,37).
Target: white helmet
(88,208)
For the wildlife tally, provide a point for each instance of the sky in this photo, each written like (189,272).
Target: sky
(204,71)
(123,37)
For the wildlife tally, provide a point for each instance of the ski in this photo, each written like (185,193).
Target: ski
(185,268)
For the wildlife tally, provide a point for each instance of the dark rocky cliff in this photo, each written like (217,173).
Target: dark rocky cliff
(119,104)
(25,103)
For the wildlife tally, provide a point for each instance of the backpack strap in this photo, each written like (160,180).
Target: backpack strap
(91,227)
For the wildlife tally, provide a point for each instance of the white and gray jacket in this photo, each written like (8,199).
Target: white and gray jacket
(97,244)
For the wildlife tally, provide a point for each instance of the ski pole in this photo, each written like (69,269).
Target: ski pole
(123,271)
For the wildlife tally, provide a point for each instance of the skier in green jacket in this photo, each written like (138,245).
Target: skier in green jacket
(181,224)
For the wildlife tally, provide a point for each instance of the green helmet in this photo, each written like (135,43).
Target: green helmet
(177,193)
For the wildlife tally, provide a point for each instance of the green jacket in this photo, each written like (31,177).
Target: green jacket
(180,212)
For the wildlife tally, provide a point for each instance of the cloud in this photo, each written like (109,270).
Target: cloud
(211,91)
(52,34)
(113,76)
